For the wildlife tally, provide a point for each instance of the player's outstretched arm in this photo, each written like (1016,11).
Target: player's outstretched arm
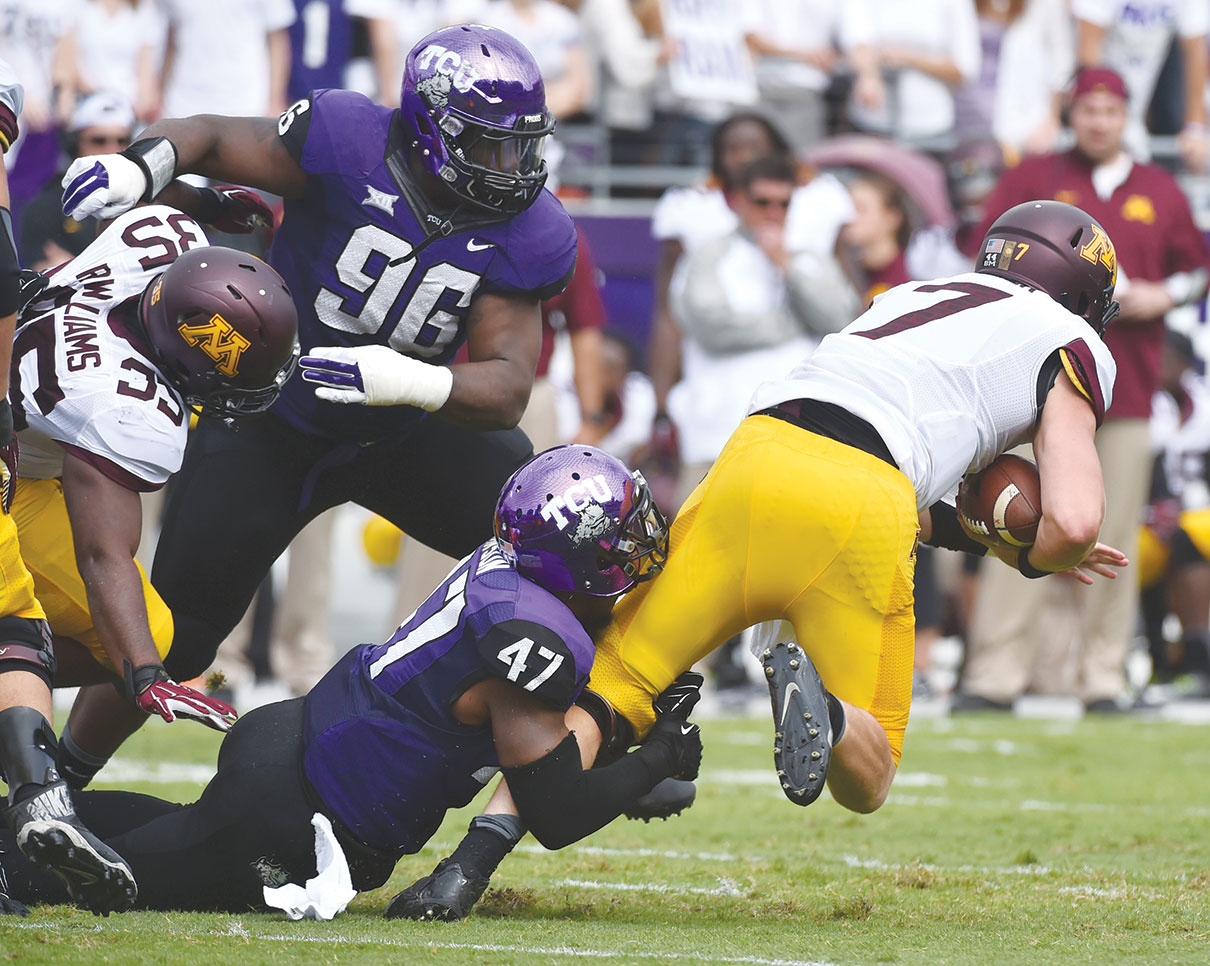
(561,802)
(490,391)
(106,521)
(456,884)
(243,150)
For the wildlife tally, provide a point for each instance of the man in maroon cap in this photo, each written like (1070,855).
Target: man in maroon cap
(1023,631)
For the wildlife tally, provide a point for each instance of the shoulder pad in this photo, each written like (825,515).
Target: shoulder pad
(534,657)
(540,253)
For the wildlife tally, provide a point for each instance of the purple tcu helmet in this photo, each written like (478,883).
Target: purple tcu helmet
(575,519)
(224,329)
(474,103)
(1061,250)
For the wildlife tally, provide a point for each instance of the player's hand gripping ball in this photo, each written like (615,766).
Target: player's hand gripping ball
(1002,504)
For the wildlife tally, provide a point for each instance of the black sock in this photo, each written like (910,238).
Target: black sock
(1196,645)
(836,717)
(488,840)
(77,766)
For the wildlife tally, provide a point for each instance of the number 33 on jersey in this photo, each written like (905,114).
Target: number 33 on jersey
(83,376)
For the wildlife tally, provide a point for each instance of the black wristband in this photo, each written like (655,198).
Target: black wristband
(139,679)
(948,532)
(209,206)
(1026,569)
(157,158)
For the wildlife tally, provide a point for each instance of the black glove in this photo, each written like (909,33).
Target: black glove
(6,422)
(680,743)
(28,288)
(680,697)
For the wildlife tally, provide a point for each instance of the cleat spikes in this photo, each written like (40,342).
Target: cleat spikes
(801,750)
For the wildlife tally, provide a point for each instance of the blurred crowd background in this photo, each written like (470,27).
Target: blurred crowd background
(745,176)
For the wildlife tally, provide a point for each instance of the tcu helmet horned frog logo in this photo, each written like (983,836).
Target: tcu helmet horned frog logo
(450,72)
(583,499)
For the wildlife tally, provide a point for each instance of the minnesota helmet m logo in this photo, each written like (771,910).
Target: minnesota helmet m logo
(1100,248)
(219,340)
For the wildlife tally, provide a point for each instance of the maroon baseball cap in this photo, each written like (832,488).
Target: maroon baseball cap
(1090,79)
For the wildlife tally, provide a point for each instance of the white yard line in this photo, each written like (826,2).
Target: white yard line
(238,930)
(824,858)
(726,887)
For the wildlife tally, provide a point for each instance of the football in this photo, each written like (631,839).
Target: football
(1004,500)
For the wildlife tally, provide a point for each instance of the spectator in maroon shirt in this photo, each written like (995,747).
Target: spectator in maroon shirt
(1023,630)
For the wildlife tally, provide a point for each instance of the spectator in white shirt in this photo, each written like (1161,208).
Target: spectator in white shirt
(1132,37)
(797,46)
(927,48)
(226,56)
(1028,57)
(118,45)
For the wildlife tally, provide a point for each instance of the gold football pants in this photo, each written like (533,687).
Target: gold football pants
(786,525)
(49,552)
(16,584)
(1154,553)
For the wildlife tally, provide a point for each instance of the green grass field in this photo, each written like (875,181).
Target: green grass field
(1004,841)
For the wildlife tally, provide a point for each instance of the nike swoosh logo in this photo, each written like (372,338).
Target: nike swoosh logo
(785,700)
(483,246)
(686,729)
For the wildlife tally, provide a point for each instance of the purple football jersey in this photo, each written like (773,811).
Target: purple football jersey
(351,252)
(384,751)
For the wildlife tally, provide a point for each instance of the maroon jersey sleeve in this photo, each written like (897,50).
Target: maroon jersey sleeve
(580,302)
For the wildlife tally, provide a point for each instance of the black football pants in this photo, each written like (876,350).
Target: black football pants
(250,827)
(247,489)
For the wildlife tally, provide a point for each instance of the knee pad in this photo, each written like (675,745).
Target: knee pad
(26,644)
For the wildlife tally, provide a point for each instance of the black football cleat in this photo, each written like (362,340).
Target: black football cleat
(8,905)
(669,797)
(446,895)
(50,835)
(802,745)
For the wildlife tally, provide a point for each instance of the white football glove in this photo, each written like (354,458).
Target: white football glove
(375,375)
(102,186)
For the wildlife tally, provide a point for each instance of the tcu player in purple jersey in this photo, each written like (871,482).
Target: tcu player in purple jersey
(478,680)
(407,233)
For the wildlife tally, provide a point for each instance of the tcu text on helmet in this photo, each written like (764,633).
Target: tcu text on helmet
(449,62)
(577,497)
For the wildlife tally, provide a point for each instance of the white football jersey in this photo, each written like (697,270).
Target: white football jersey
(12,94)
(83,377)
(948,372)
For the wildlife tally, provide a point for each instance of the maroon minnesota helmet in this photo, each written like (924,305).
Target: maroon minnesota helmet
(224,328)
(1060,250)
